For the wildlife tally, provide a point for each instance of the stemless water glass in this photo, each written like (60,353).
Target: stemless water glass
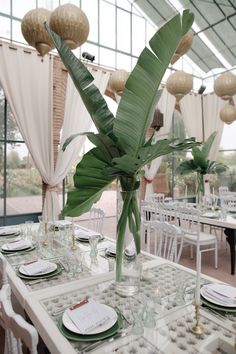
(28,229)
(93,241)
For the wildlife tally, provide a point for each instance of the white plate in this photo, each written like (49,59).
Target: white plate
(214,301)
(72,327)
(211,215)
(5,247)
(7,232)
(53,268)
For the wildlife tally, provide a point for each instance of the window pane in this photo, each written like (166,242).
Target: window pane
(2,104)
(107,24)
(48,4)
(1,178)
(23,181)
(19,8)
(107,57)
(123,62)
(16,32)
(5,6)
(124,4)
(90,7)
(75,2)
(123,31)
(5,28)
(150,31)
(13,132)
(228,178)
(228,140)
(138,34)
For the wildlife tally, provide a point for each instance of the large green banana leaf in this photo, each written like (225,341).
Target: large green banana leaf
(121,141)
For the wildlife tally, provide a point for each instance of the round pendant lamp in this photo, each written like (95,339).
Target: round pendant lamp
(184,46)
(179,84)
(225,86)
(71,24)
(118,80)
(228,114)
(34,32)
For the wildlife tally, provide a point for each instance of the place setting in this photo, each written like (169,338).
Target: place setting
(129,252)
(90,321)
(9,232)
(83,235)
(17,246)
(219,297)
(39,269)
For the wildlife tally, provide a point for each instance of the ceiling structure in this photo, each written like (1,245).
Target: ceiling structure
(214,44)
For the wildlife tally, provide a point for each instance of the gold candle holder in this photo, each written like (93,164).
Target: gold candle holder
(45,242)
(197,328)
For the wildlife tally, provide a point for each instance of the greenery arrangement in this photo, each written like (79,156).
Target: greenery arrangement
(120,148)
(201,164)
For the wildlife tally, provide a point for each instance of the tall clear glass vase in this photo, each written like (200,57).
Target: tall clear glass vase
(128,263)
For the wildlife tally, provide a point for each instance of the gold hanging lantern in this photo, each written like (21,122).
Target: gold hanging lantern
(179,84)
(34,32)
(228,114)
(118,80)
(184,46)
(225,86)
(71,24)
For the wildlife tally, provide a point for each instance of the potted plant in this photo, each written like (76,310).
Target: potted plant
(201,164)
(121,150)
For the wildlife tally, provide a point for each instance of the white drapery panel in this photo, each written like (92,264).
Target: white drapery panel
(191,109)
(27,83)
(212,105)
(166,105)
(76,120)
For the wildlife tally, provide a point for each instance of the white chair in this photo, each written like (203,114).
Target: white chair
(168,241)
(17,329)
(157,197)
(191,228)
(223,190)
(96,219)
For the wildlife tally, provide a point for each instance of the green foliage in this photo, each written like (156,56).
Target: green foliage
(121,150)
(200,162)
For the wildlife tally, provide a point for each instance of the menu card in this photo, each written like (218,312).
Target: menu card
(90,314)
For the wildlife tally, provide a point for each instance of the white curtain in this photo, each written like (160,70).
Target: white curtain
(191,109)
(76,120)
(212,105)
(27,83)
(166,105)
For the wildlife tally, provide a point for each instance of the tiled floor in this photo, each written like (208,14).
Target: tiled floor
(108,203)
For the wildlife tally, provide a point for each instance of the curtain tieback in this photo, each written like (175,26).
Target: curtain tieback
(51,188)
(147,181)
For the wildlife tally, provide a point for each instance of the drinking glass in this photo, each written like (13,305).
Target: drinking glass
(28,229)
(93,241)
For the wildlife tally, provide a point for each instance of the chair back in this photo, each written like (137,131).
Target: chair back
(210,201)
(169,240)
(228,202)
(223,190)
(3,272)
(147,211)
(17,329)
(96,219)
(167,212)
(189,220)
(157,197)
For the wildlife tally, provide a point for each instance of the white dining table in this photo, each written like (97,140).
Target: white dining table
(45,303)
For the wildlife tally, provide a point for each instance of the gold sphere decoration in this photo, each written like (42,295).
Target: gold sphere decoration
(179,84)
(184,46)
(228,114)
(118,80)
(225,85)
(71,24)
(34,32)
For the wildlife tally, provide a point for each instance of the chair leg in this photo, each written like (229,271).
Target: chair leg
(216,254)
(191,251)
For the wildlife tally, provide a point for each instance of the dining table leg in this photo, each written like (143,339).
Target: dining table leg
(231,239)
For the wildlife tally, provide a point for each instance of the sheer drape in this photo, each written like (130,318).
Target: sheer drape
(27,83)
(76,120)
(212,122)
(166,105)
(191,109)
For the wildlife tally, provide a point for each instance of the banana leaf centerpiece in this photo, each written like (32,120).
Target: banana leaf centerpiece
(201,164)
(121,149)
